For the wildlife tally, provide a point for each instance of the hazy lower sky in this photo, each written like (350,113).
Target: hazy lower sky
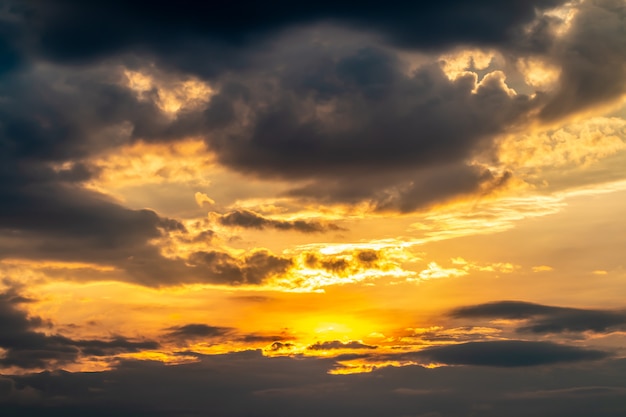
(330,208)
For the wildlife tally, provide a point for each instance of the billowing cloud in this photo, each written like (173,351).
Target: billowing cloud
(359,128)
(346,116)
(597,34)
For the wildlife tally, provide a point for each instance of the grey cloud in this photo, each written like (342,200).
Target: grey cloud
(592,60)
(542,319)
(246,383)
(509,353)
(335,265)
(337,344)
(333,109)
(265,338)
(197,331)
(115,346)
(251,220)
(27,347)
(67,31)
(50,122)
(200,331)
(503,309)
(356,127)
(280,346)
(367,256)
(253,268)
(339,264)
(577,392)
(578,321)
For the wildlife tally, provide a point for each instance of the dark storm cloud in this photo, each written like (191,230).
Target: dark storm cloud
(51,122)
(337,344)
(246,383)
(547,319)
(56,114)
(336,110)
(27,347)
(251,220)
(355,126)
(402,125)
(77,31)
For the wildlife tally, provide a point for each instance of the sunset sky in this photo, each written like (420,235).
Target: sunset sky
(333,208)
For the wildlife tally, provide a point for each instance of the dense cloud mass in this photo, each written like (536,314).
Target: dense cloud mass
(592,60)
(304,118)
(335,106)
(65,30)
(246,383)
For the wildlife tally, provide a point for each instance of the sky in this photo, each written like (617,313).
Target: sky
(339,208)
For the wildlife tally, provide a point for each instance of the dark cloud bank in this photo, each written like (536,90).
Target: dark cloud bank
(317,94)
(246,383)
(513,378)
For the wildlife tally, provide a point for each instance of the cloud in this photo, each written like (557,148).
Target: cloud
(241,384)
(400,143)
(253,268)
(357,128)
(55,121)
(157,29)
(197,331)
(26,347)
(280,347)
(202,198)
(590,391)
(503,309)
(337,344)
(542,319)
(597,34)
(52,121)
(346,105)
(509,353)
(250,220)
(340,113)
